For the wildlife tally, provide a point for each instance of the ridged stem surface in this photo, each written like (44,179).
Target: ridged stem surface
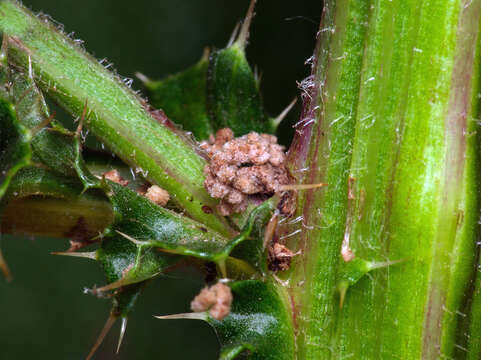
(390,124)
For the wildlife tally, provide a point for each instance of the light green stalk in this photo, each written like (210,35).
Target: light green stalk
(115,114)
(392,123)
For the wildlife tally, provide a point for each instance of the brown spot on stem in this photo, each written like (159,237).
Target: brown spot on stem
(207,209)
(161,118)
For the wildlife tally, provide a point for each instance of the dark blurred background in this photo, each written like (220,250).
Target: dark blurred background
(43,312)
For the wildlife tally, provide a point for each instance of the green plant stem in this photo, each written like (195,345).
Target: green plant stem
(390,126)
(115,114)
(472,349)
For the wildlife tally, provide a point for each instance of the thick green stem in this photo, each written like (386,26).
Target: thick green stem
(390,126)
(115,114)
(473,320)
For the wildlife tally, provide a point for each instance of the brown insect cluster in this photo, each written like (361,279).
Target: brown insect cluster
(217,299)
(240,170)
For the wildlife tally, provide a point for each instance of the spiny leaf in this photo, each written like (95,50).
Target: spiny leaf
(40,202)
(218,92)
(233,98)
(153,226)
(65,181)
(125,262)
(55,146)
(258,326)
(59,151)
(128,267)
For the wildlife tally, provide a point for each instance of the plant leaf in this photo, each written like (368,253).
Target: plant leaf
(220,92)
(233,98)
(258,325)
(250,242)
(114,113)
(153,226)
(55,146)
(125,262)
(15,151)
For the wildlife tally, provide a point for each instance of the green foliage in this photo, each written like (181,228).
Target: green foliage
(55,147)
(257,326)
(14,145)
(233,98)
(152,226)
(116,115)
(140,240)
(15,151)
(389,123)
(250,243)
(218,92)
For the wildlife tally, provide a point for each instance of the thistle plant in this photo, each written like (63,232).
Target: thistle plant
(361,241)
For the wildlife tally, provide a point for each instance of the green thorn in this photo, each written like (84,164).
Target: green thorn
(352,271)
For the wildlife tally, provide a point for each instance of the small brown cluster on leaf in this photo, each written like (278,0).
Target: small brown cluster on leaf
(157,195)
(154,193)
(217,299)
(250,167)
(114,175)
